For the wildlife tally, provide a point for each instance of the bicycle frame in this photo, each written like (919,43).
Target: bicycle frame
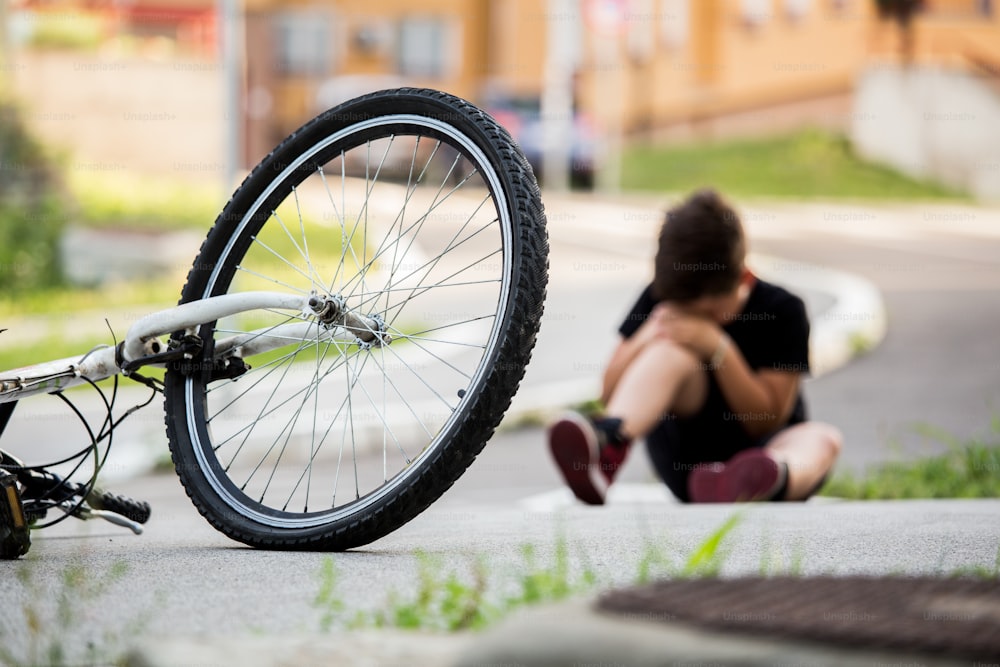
(329,321)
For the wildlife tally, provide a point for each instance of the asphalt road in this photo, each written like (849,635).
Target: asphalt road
(938,367)
(937,268)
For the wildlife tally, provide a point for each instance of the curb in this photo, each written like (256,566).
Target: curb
(368,648)
(564,633)
(573,633)
(854,323)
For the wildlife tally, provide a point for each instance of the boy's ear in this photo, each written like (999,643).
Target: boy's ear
(747,278)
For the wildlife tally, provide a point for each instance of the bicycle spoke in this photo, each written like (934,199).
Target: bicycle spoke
(290,425)
(418,419)
(385,418)
(264,414)
(419,377)
(396,332)
(401,217)
(281,257)
(312,438)
(341,214)
(273,280)
(316,280)
(456,343)
(307,471)
(418,225)
(263,411)
(436,203)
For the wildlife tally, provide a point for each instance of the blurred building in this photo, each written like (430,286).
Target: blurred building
(644,65)
(649,67)
(937,117)
(669,61)
(302,57)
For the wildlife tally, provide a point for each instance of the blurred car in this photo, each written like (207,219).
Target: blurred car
(522,116)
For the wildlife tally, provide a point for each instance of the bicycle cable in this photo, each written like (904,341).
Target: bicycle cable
(105,432)
(87,486)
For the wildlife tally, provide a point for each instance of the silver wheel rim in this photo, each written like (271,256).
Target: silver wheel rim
(219,482)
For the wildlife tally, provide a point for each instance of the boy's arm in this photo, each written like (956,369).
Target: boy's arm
(762,400)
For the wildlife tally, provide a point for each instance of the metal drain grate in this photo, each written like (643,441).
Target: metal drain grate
(957,617)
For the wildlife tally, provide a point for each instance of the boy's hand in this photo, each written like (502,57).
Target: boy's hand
(698,334)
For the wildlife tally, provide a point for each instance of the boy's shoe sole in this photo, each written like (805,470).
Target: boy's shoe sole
(749,476)
(574,446)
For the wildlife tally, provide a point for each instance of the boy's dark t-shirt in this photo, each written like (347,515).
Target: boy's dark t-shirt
(772,332)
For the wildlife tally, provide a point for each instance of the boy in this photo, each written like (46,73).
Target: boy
(707,371)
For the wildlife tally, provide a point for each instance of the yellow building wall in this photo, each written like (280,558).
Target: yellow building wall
(788,56)
(730,56)
(295,96)
(519,36)
(729,64)
(955,33)
(470,38)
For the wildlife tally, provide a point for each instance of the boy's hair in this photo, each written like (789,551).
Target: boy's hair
(701,249)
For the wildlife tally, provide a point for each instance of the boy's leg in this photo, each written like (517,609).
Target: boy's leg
(809,451)
(791,466)
(664,378)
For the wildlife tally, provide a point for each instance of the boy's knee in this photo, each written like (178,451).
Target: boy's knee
(676,355)
(831,437)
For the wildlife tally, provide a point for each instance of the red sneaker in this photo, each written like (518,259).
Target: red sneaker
(752,475)
(587,455)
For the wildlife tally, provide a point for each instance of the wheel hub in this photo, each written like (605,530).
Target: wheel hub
(332,311)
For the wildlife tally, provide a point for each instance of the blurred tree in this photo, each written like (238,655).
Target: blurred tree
(33,207)
(902,12)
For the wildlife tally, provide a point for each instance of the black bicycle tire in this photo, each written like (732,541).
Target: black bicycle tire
(525,303)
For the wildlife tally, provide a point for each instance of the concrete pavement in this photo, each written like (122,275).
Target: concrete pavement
(823,537)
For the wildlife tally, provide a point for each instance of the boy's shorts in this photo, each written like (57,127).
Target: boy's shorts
(677,447)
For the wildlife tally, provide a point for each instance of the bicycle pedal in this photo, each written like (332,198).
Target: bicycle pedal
(15,538)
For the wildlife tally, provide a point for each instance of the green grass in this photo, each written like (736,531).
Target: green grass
(163,292)
(54,303)
(806,164)
(969,469)
(125,200)
(33,208)
(45,349)
(448,602)
(35,634)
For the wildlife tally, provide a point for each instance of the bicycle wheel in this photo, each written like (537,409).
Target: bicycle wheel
(415,210)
